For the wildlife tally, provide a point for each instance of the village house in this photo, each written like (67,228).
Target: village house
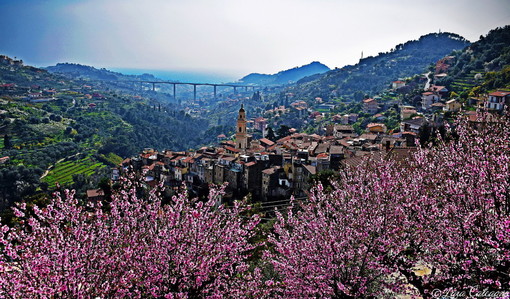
(95,195)
(115,174)
(397,84)
(341,131)
(452,105)
(266,143)
(412,125)
(440,76)
(376,128)
(353,117)
(370,106)
(498,100)
(407,111)
(4,160)
(439,106)
(380,117)
(35,95)
(270,182)
(336,118)
(49,92)
(260,124)
(441,91)
(428,98)
(7,86)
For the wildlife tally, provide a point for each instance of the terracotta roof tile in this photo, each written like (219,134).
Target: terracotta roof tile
(499,93)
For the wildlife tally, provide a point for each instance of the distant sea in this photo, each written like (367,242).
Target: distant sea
(182,76)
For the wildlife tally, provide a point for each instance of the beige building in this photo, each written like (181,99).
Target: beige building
(452,105)
(241,134)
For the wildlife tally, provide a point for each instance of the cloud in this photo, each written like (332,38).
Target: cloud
(230,35)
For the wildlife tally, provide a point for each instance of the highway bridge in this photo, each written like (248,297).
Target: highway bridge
(214,85)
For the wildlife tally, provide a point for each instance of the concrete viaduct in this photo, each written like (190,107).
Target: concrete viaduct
(214,85)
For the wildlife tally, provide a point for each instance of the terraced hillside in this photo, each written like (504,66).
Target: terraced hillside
(63,172)
(468,80)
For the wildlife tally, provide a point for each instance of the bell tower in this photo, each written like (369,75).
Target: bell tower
(241,135)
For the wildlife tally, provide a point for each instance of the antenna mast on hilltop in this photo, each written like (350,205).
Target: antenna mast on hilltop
(361,55)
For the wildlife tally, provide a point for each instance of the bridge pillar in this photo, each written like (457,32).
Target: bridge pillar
(153,86)
(235,89)
(174,91)
(194,92)
(215,90)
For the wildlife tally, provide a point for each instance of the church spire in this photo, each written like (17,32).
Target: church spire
(242,113)
(241,135)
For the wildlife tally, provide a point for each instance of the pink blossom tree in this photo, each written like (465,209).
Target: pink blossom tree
(138,248)
(335,244)
(446,209)
(466,183)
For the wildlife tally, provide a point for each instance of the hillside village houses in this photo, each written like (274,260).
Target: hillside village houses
(274,170)
(267,170)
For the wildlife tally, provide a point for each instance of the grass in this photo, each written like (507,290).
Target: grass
(63,172)
(112,159)
(52,128)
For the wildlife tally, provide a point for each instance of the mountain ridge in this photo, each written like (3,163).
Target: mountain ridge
(374,73)
(287,76)
(76,70)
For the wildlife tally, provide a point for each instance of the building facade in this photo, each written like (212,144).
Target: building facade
(241,134)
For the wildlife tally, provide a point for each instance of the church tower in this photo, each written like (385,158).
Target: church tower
(241,136)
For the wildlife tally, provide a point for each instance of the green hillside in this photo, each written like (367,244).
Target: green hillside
(481,67)
(45,118)
(373,74)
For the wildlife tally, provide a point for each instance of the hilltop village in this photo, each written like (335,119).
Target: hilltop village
(71,130)
(271,170)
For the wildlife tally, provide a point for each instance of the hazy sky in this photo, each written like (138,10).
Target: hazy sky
(233,37)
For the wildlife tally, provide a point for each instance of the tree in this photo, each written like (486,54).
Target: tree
(16,183)
(333,246)
(283,131)
(324,177)
(465,185)
(68,130)
(139,248)
(453,95)
(256,96)
(105,185)
(7,142)
(358,96)
(270,134)
(439,222)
